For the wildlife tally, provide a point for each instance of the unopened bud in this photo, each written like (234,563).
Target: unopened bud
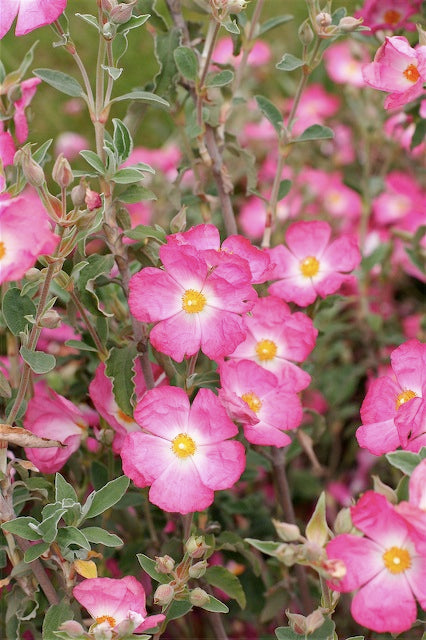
(196,546)
(297,622)
(236,6)
(72,628)
(108,30)
(305,625)
(62,172)
(385,490)
(78,193)
(164,594)
(323,19)
(198,597)
(286,531)
(314,621)
(164,564)
(108,5)
(287,554)
(422,35)
(198,569)
(33,275)
(343,522)
(51,319)
(122,12)
(349,23)
(178,222)
(305,33)
(32,171)
(92,199)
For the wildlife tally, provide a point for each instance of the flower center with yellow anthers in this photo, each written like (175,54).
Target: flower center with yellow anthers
(193,301)
(404,397)
(2,250)
(412,73)
(397,560)
(309,266)
(183,446)
(124,417)
(111,621)
(266,350)
(391,16)
(252,400)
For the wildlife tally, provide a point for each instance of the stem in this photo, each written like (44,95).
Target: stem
(271,210)
(326,601)
(187,524)
(284,497)
(206,56)
(41,575)
(100,347)
(150,523)
(246,51)
(218,169)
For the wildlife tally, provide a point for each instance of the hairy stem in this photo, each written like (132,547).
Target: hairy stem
(41,575)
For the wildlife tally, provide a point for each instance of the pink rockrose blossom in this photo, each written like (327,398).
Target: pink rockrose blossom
(50,415)
(7,153)
(112,601)
(388,396)
(410,422)
(388,14)
(401,127)
(414,510)
(384,567)
(276,339)
(53,340)
(32,14)
(310,265)
(184,453)
(315,106)
(398,69)
(344,60)
(193,306)
(235,250)
(327,192)
(253,396)
(259,55)
(166,159)
(25,234)
(403,195)
(70,144)
(102,396)
(28,89)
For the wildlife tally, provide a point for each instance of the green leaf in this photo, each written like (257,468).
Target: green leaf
(27,60)
(61,81)
(71,535)
(405,461)
(148,565)
(39,361)
(55,616)
(315,132)
(40,154)
(15,308)
(20,527)
(378,256)
(120,369)
(166,79)
(5,388)
(94,160)
(270,112)
(284,188)
(96,266)
(136,193)
(215,605)
(122,140)
(231,26)
(289,63)
(267,547)
(141,232)
(133,23)
(87,17)
(142,96)
(80,345)
(178,609)
(223,579)
(127,176)
(113,72)
(220,79)
(356,638)
(419,134)
(100,536)
(186,62)
(49,527)
(325,632)
(63,490)
(317,529)
(36,551)
(274,22)
(110,494)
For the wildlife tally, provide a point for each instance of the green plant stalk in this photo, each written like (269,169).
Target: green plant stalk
(100,347)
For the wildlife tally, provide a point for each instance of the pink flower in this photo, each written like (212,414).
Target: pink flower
(32,14)
(387,397)
(388,14)
(383,566)
(414,511)
(252,395)
(52,416)
(25,234)
(28,89)
(259,55)
(276,339)
(194,307)
(315,106)
(344,60)
(184,454)
(70,144)
(92,199)
(101,394)
(112,601)
(399,69)
(166,160)
(311,266)
(403,195)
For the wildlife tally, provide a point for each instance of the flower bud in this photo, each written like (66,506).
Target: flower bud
(196,546)
(349,23)
(164,594)
(108,5)
(51,319)
(236,6)
(287,554)
(108,30)
(323,19)
(286,531)
(33,275)
(72,628)
(297,622)
(385,490)
(92,199)
(32,171)
(178,222)
(343,522)
(314,621)
(62,172)
(164,564)
(78,194)
(198,569)
(422,35)
(122,12)
(198,597)
(305,33)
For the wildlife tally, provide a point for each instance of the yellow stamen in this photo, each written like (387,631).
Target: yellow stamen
(124,417)
(266,350)
(193,301)
(111,621)
(309,266)
(397,560)
(252,400)
(183,446)
(2,250)
(412,73)
(404,397)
